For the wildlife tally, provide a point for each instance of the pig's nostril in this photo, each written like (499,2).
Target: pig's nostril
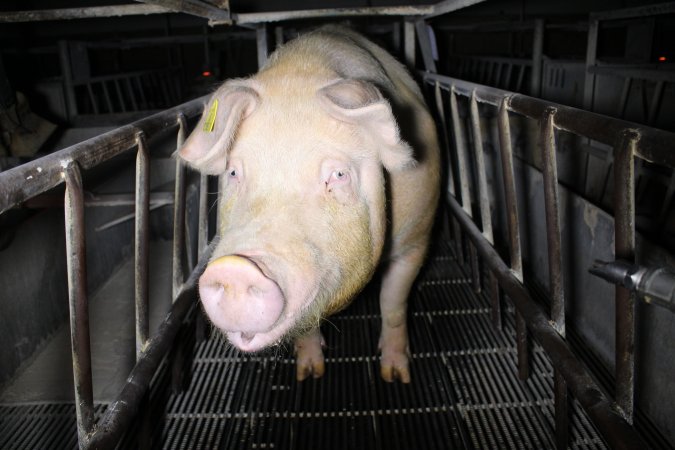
(247,337)
(255,291)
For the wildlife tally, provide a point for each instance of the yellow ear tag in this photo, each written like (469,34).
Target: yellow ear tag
(211,118)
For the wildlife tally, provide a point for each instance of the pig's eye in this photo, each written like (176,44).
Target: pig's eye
(340,176)
(232,173)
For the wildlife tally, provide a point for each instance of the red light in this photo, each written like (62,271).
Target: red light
(662,58)
(206,73)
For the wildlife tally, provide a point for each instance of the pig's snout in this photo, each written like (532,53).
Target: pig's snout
(239,298)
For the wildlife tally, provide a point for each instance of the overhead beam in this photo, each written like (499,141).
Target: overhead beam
(278,16)
(80,13)
(195,8)
(447,6)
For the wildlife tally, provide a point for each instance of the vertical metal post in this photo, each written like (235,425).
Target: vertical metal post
(141,236)
(514,232)
(551,203)
(591,52)
(460,151)
(537,57)
(262,46)
(495,302)
(278,36)
(409,43)
(475,268)
(624,238)
(483,197)
(78,303)
(67,74)
(422,31)
(179,212)
(438,94)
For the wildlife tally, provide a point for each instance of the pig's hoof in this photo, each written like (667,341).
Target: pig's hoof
(394,366)
(309,357)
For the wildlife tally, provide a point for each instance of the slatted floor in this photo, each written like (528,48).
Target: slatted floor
(464,393)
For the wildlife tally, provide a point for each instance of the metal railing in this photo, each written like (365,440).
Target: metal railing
(66,166)
(613,417)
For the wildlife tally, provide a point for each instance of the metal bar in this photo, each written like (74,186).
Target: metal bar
(67,74)
(629,70)
(203,236)
(552,205)
(422,31)
(624,248)
(638,11)
(510,190)
(618,433)
(78,302)
(483,198)
(409,43)
(119,415)
(654,143)
(40,175)
(438,96)
(106,95)
(537,57)
(141,238)
(132,94)
(193,8)
(80,13)
(179,211)
(261,41)
(447,6)
(92,98)
(460,151)
(123,103)
(475,269)
(591,52)
(278,16)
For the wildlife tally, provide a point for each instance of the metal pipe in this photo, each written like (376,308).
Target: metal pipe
(78,303)
(624,248)
(141,238)
(438,96)
(460,151)
(618,433)
(483,198)
(179,211)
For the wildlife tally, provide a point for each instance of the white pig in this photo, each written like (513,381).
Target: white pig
(329,166)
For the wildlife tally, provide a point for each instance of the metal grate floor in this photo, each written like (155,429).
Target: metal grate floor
(464,394)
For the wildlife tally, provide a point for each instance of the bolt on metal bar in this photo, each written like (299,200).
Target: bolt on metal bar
(203,236)
(483,198)
(141,238)
(624,248)
(514,231)
(555,271)
(179,211)
(438,95)
(618,433)
(460,151)
(78,302)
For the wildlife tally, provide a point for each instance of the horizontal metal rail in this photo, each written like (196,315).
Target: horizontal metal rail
(38,176)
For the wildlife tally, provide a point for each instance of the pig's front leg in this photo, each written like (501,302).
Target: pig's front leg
(309,355)
(396,283)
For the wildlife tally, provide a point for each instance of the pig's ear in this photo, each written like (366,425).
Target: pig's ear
(361,103)
(206,148)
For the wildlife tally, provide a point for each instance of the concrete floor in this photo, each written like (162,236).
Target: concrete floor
(48,376)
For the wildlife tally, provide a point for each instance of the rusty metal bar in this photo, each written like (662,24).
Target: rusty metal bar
(591,53)
(278,16)
(40,175)
(78,302)
(460,151)
(80,13)
(555,270)
(624,248)
(618,433)
(141,249)
(552,206)
(179,211)
(483,198)
(514,231)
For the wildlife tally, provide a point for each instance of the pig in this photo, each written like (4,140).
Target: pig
(329,168)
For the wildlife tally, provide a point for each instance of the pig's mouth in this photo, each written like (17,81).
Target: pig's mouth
(246,303)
